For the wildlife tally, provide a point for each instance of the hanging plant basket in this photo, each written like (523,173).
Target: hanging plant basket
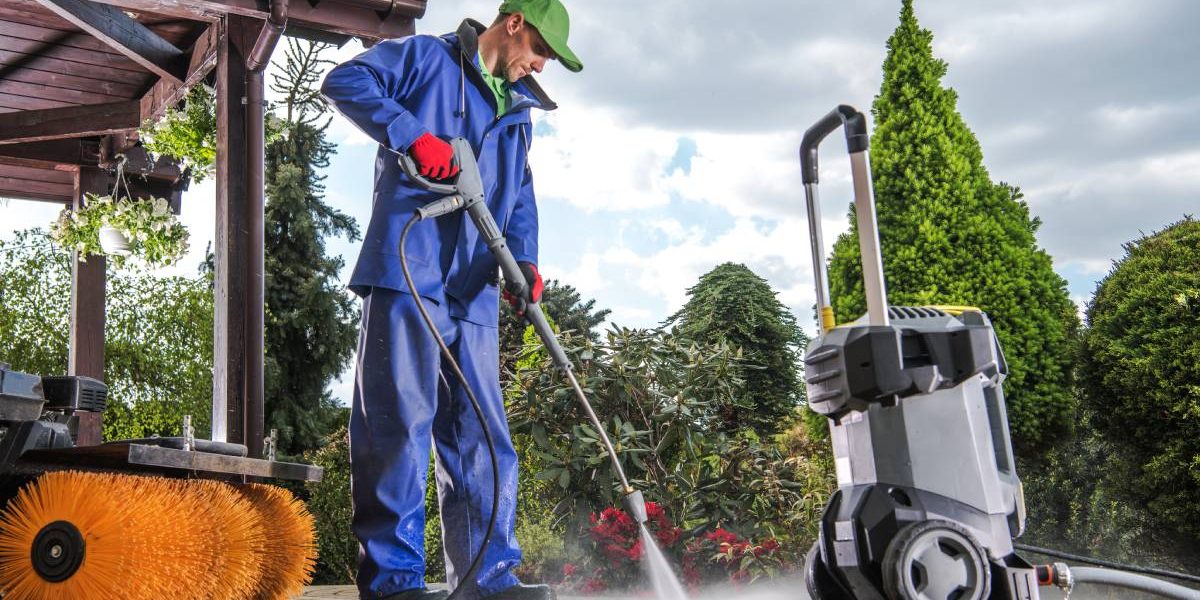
(143,229)
(113,241)
(122,227)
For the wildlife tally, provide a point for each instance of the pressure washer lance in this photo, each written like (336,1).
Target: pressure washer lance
(466,192)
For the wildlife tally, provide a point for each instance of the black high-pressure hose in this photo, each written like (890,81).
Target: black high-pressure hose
(466,193)
(487,434)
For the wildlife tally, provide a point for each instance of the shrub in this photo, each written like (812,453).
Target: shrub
(543,551)
(1140,368)
(329,502)
(616,551)
(661,398)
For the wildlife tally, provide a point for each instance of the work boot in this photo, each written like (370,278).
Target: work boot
(418,594)
(522,591)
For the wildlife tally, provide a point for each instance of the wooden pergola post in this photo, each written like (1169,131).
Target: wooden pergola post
(239,295)
(86,352)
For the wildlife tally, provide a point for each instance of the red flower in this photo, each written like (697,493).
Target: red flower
(636,551)
(593,586)
(569,570)
(720,536)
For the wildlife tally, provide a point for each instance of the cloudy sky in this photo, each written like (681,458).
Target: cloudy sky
(675,148)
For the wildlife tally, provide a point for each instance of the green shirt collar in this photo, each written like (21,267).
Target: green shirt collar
(498,85)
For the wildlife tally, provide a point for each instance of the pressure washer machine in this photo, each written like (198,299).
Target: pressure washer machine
(928,499)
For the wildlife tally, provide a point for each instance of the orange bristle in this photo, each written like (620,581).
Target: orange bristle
(291,556)
(240,533)
(150,537)
(85,501)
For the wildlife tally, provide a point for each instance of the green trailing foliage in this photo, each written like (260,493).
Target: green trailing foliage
(158,336)
(1140,377)
(154,235)
(188,134)
(952,236)
(734,305)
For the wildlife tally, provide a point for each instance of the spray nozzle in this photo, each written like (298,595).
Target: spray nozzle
(635,505)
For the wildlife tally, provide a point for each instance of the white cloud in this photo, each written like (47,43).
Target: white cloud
(597,164)
(1030,24)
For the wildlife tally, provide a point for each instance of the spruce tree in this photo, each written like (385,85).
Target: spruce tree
(951,236)
(311,323)
(732,304)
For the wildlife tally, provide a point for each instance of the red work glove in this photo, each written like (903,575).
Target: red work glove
(435,158)
(534,287)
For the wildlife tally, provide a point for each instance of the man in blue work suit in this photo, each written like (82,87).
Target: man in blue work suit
(410,95)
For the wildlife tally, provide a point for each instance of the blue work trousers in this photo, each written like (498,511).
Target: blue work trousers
(401,409)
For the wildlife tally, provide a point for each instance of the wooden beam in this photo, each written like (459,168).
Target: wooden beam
(69,122)
(123,33)
(29,182)
(166,93)
(346,18)
(55,154)
(20,52)
(21,189)
(62,177)
(86,354)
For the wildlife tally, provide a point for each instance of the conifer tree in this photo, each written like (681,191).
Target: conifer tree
(951,236)
(734,305)
(1140,375)
(311,323)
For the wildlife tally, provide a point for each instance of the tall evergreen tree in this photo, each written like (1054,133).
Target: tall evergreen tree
(952,236)
(732,304)
(311,322)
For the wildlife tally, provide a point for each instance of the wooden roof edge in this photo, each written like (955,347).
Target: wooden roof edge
(367,19)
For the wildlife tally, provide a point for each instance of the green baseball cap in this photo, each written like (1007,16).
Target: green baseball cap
(550,19)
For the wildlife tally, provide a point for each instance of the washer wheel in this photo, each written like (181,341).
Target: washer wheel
(935,560)
(817,578)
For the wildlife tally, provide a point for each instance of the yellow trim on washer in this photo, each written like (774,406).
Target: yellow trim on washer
(954,309)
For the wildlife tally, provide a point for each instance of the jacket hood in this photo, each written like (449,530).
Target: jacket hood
(467,40)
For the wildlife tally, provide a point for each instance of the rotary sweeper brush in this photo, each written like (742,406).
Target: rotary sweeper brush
(170,517)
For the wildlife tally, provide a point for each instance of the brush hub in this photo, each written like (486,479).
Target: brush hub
(57,551)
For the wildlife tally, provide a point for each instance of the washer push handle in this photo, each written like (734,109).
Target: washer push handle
(857,141)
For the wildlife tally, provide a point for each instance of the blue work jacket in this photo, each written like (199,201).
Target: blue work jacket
(395,92)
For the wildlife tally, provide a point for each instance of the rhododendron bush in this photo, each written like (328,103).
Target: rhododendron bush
(701,558)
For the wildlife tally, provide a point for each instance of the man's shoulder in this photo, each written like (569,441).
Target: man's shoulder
(419,43)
